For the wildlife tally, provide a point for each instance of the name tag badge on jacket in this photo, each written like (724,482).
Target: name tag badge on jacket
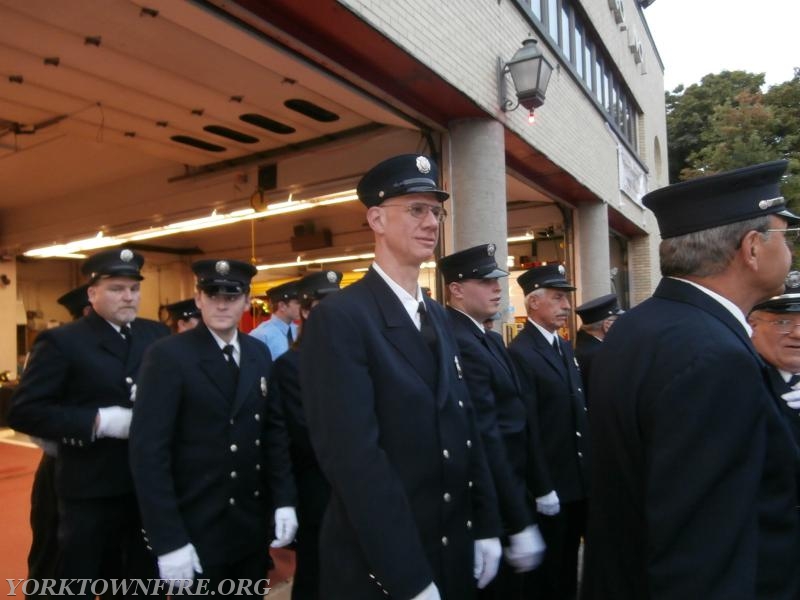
(458,367)
(264,387)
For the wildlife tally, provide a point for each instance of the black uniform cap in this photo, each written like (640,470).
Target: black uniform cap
(546,276)
(226,277)
(113,263)
(183,310)
(76,300)
(317,285)
(599,309)
(720,199)
(785,303)
(400,175)
(477,262)
(284,292)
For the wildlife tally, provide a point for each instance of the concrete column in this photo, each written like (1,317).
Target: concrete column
(478,177)
(8,316)
(594,261)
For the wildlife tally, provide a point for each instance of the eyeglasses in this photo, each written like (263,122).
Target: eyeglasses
(783,326)
(792,234)
(421,210)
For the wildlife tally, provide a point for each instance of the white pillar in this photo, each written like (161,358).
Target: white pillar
(595,262)
(478,178)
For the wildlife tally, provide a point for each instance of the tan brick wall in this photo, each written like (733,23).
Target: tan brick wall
(461,40)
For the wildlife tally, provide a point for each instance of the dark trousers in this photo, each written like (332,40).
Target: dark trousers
(244,578)
(313,492)
(507,585)
(557,576)
(44,523)
(102,538)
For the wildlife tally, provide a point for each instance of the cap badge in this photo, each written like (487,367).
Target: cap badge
(562,270)
(222,267)
(423,164)
(765,204)
(126,255)
(331,275)
(490,249)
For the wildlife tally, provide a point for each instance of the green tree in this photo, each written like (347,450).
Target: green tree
(784,101)
(737,134)
(689,110)
(725,122)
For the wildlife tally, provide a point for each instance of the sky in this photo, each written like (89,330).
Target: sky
(698,37)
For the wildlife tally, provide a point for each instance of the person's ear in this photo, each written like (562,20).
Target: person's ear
(376,219)
(750,247)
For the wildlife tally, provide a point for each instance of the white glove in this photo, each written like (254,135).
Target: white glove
(113,422)
(179,565)
(792,399)
(487,560)
(285,526)
(526,549)
(548,504)
(429,593)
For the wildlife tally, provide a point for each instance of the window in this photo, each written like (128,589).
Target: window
(582,51)
(588,65)
(552,19)
(598,79)
(566,46)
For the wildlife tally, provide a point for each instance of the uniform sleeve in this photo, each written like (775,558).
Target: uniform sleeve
(511,493)
(38,407)
(155,412)
(706,432)
(340,407)
(276,443)
(540,482)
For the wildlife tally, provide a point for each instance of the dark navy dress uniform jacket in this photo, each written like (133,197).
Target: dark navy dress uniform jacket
(501,417)
(204,454)
(555,396)
(694,468)
(73,370)
(395,435)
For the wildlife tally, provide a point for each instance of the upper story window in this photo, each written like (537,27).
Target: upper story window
(582,49)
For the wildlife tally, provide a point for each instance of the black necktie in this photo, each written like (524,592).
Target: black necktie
(557,348)
(426,328)
(234,368)
(289,336)
(125,332)
(793,380)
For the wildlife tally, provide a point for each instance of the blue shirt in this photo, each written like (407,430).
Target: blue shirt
(272,333)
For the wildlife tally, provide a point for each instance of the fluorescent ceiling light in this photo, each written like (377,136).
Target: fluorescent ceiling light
(317,261)
(520,238)
(73,249)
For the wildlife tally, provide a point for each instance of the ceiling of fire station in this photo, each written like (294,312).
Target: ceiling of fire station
(94,92)
(98,91)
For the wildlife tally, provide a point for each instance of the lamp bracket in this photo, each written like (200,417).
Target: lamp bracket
(506,105)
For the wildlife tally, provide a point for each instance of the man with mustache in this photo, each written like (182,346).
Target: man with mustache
(555,400)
